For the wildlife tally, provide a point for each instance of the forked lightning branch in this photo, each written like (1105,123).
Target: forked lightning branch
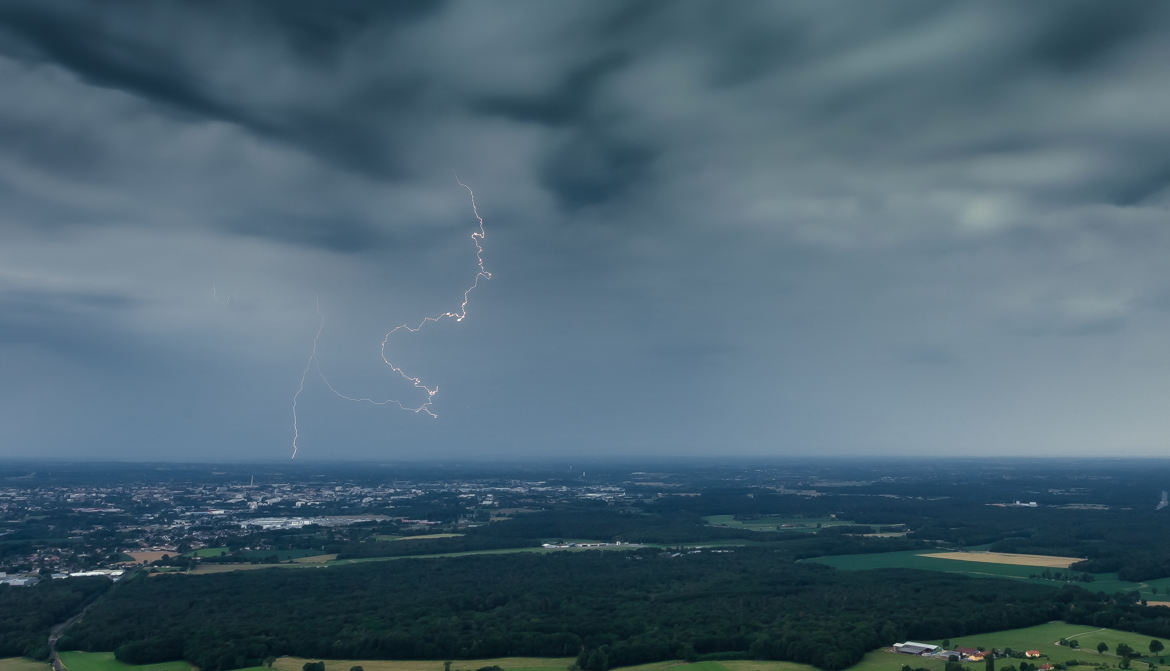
(428,393)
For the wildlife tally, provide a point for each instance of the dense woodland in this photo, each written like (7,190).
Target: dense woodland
(609,608)
(27,613)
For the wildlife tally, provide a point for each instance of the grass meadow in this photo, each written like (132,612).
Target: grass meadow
(104,661)
(534,664)
(1044,638)
(22,664)
(506,663)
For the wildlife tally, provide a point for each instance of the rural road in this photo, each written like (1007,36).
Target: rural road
(55,634)
(1082,633)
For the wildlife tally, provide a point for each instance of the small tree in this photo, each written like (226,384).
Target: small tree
(1102,647)
(269,660)
(1156,646)
(356,668)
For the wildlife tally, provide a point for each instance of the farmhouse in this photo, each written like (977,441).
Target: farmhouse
(912,648)
(970,654)
(1031,654)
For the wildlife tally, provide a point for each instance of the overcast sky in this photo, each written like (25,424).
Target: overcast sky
(774,228)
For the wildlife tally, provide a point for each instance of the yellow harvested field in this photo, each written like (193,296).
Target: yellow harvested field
(150,555)
(315,559)
(1044,561)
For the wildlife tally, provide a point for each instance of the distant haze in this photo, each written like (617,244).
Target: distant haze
(922,228)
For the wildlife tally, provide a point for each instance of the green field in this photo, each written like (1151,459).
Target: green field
(393,537)
(1041,637)
(886,660)
(506,663)
(281,555)
(1102,582)
(1044,637)
(216,567)
(22,664)
(723,665)
(774,523)
(534,664)
(1111,637)
(104,661)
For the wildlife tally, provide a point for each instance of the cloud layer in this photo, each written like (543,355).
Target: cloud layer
(755,228)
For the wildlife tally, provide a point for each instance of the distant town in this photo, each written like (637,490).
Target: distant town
(106,529)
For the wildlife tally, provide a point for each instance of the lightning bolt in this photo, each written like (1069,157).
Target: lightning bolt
(314,362)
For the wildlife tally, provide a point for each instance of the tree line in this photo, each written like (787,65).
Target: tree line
(607,608)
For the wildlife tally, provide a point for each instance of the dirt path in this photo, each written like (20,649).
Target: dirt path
(1081,633)
(56,632)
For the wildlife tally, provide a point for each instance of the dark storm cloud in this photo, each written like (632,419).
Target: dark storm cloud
(567,103)
(757,224)
(77,325)
(591,167)
(81,41)
(115,46)
(323,31)
(1084,34)
(1148,179)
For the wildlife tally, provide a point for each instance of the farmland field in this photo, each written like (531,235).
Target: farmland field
(1043,561)
(537,664)
(315,559)
(506,663)
(149,555)
(1111,637)
(22,664)
(918,559)
(104,661)
(885,659)
(1041,637)
(1044,637)
(722,665)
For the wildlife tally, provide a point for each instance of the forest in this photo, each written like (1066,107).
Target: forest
(609,608)
(27,613)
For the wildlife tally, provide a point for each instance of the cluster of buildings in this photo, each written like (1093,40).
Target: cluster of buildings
(55,525)
(961,654)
